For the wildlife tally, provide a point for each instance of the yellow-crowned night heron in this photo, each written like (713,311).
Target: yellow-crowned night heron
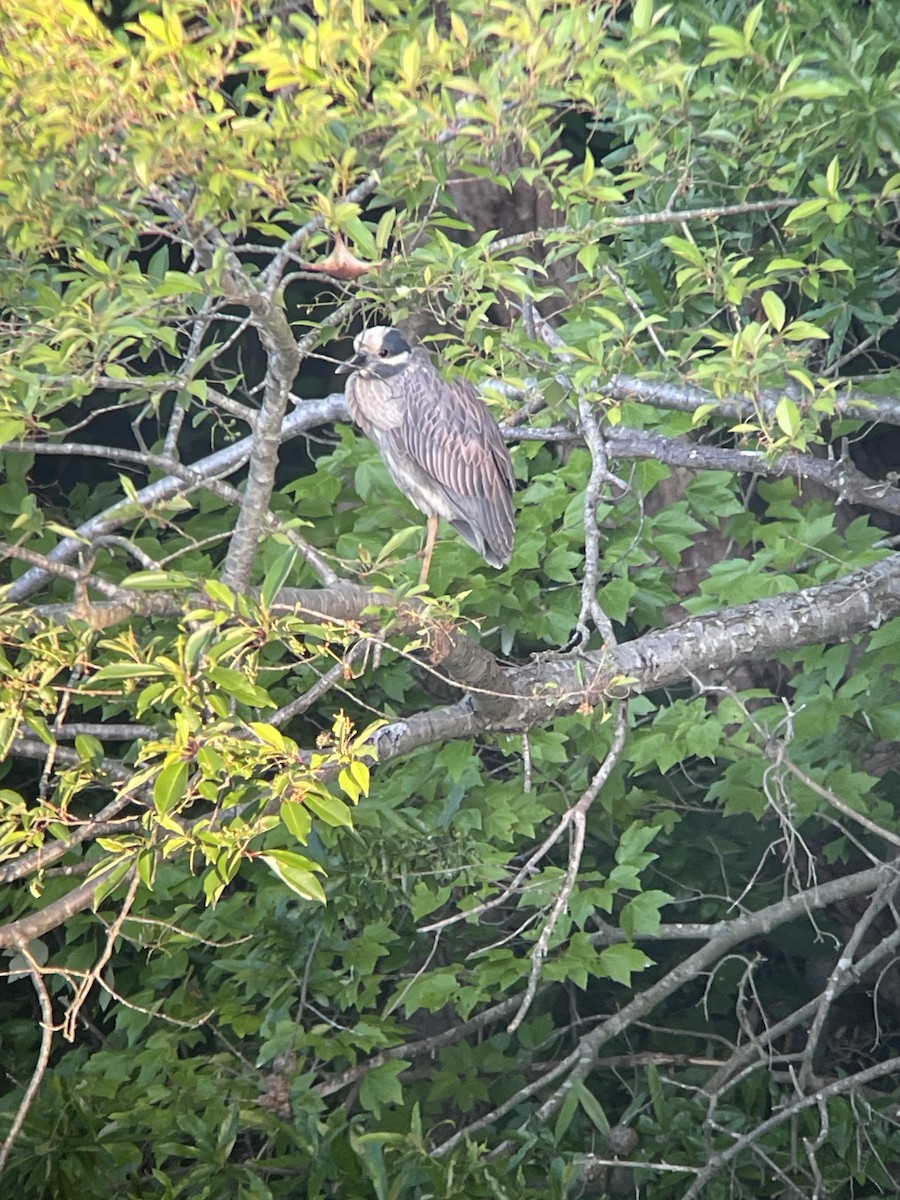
(442,447)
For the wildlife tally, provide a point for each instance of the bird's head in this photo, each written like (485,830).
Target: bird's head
(379,350)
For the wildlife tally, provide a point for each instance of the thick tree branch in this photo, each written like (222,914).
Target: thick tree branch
(274,331)
(524,697)
(682,397)
(519,698)
(19,933)
(839,475)
(831,612)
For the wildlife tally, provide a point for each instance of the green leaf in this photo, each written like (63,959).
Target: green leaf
(361,775)
(773,306)
(634,841)
(238,686)
(799,331)
(89,749)
(832,177)
(640,917)
(38,725)
(126,670)
(297,872)
(296,819)
(566,1113)
(156,581)
(592,1107)
(220,593)
(109,880)
(11,429)
(331,810)
(170,785)
(382,1086)
(278,574)
(642,16)
(430,991)
(383,232)
(751,21)
(270,736)
(807,209)
(788,417)
(621,961)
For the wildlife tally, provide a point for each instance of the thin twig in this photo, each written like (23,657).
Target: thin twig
(71,1017)
(320,687)
(850,1083)
(845,968)
(590,1161)
(577,818)
(665,217)
(43,1058)
(600,475)
(781,759)
(725,935)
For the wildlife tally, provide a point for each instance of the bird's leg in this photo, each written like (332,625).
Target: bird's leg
(429,548)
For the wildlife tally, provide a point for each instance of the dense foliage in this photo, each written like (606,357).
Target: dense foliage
(573,878)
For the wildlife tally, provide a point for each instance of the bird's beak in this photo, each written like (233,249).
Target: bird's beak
(351,364)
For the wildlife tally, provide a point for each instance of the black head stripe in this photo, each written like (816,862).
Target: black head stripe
(394,343)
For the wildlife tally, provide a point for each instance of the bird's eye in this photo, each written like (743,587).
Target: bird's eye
(382,353)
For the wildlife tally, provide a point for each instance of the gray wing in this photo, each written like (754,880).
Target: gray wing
(450,435)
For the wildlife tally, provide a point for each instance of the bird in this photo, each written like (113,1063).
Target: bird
(441,445)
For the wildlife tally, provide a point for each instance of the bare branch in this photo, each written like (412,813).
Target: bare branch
(731,934)
(844,969)
(636,220)
(850,1083)
(274,330)
(599,477)
(577,817)
(681,397)
(78,576)
(780,759)
(34,925)
(840,476)
(222,463)
(84,987)
(727,934)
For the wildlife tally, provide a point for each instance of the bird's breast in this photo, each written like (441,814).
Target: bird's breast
(374,404)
